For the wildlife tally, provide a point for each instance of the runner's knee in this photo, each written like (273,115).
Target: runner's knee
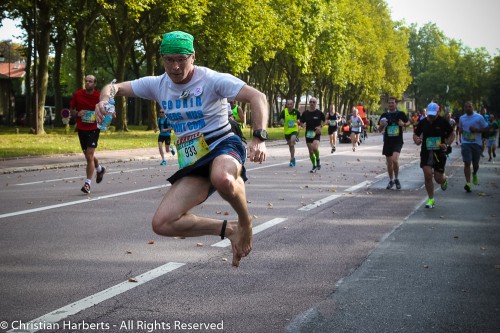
(163,224)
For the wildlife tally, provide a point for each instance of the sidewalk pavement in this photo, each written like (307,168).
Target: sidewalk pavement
(44,162)
(33,163)
(438,271)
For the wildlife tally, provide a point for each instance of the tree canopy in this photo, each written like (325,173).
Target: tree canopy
(342,51)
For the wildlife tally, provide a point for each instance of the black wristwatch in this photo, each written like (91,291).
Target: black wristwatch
(261,134)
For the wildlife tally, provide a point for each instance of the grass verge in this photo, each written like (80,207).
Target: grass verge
(17,141)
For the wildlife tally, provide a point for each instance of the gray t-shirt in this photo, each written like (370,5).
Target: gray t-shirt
(197,106)
(474,120)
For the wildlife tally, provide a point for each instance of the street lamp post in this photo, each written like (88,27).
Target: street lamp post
(2,59)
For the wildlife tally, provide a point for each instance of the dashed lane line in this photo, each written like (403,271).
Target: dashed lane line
(78,177)
(255,230)
(73,308)
(76,202)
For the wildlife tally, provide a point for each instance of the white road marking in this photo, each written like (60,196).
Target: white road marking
(320,202)
(357,187)
(79,177)
(71,309)
(261,227)
(71,203)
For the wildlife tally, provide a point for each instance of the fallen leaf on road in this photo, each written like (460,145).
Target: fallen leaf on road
(199,244)
(151,242)
(132,279)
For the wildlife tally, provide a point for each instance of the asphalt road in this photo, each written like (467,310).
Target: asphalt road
(333,251)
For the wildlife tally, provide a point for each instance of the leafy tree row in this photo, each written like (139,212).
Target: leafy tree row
(341,51)
(450,73)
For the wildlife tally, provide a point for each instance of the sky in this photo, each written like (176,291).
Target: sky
(475,22)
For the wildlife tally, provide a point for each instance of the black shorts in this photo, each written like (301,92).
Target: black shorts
(434,158)
(88,139)
(311,140)
(164,138)
(332,129)
(289,136)
(390,148)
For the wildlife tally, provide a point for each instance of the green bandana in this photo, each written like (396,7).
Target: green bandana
(177,42)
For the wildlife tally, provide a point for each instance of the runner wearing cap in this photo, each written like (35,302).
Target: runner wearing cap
(434,133)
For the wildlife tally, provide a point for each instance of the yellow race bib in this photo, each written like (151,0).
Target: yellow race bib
(88,117)
(433,143)
(469,136)
(393,130)
(190,149)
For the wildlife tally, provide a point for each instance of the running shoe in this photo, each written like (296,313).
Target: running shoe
(333,149)
(430,203)
(444,185)
(489,160)
(494,155)
(318,167)
(86,188)
(313,169)
(99,175)
(398,184)
(467,188)
(390,185)
(474,180)
(172,150)
(163,163)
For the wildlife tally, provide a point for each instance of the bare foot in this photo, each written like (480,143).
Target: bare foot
(241,241)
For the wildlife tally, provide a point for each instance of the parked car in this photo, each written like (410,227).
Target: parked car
(50,114)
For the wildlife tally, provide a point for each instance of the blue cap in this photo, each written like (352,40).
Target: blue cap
(432,109)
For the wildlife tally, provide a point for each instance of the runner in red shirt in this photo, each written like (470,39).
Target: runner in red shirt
(82,107)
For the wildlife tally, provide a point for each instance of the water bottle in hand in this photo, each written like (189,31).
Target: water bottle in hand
(110,110)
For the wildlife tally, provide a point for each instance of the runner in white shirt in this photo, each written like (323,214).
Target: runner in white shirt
(210,156)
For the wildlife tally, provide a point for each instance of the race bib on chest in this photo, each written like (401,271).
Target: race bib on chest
(333,122)
(291,123)
(311,134)
(88,117)
(469,136)
(393,130)
(190,149)
(433,143)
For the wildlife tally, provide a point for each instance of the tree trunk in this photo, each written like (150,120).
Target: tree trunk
(43,42)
